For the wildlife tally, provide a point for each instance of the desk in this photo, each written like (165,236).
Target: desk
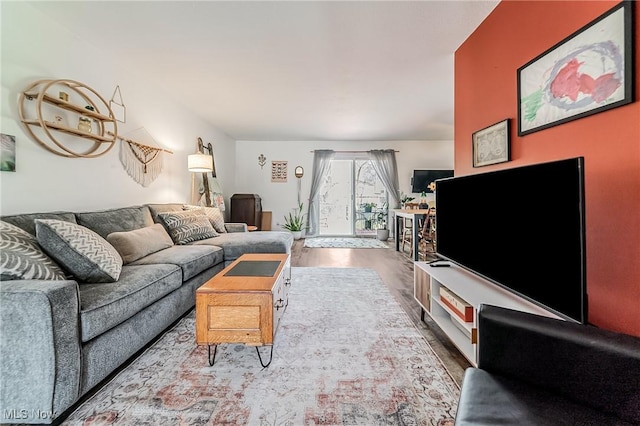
(415,215)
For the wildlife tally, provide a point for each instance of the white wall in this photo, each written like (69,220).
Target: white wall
(33,48)
(280,198)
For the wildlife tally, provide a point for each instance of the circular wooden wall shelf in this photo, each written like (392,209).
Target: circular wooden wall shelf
(54,119)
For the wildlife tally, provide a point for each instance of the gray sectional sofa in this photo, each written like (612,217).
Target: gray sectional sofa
(60,338)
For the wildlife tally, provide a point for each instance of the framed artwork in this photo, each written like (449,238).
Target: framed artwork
(588,72)
(491,145)
(7,153)
(278,171)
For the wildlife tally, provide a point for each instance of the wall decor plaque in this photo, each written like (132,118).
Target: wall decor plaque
(279,171)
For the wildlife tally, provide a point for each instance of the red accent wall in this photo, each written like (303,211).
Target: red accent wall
(486,92)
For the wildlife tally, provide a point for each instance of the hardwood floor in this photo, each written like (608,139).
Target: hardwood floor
(396,271)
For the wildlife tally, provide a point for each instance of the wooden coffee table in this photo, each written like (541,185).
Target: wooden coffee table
(243,303)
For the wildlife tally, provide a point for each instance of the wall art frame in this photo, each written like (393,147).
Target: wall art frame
(7,153)
(492,145)
(279,171)
(590,71)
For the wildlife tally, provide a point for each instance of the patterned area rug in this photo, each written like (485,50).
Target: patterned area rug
(332,242)
(345,353)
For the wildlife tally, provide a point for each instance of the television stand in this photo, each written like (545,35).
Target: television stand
(445,293)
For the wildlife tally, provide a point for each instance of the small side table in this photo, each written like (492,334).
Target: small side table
(252,228)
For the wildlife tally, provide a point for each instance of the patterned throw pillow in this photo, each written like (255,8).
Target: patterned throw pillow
(21,258)
(214,214)
(187,226)
(82,252)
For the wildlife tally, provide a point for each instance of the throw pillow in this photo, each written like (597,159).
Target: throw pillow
(214,214)
(21,258)
(136,244)
(79,250)
(187,226)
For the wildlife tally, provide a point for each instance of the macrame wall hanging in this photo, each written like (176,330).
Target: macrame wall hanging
(142,162)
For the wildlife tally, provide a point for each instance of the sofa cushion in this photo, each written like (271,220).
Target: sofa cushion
(103,306)
(213,213)
(156,209)
(187,226)
(191,259)
(27,221)
(136,244)
(21,258)
(79,250)
(116,220)
(489,399)
(235,244)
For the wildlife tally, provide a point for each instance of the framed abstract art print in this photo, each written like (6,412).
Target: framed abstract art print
(588,72)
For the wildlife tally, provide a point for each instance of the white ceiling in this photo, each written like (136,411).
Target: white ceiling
(276,70)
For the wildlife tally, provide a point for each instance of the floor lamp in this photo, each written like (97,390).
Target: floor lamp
(203,163)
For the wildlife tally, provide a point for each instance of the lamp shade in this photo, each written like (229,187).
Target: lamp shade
(200,163)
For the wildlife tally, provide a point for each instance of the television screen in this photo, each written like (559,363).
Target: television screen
(422,178)
(522,228)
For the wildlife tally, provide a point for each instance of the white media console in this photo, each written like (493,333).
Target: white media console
(470,288)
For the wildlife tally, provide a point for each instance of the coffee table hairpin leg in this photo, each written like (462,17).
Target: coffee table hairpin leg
(212,360)
(260,358)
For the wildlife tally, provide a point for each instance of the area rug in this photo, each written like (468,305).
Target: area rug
(334,242)
(345,354)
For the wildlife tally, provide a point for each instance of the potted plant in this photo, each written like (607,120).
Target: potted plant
(405,199)
(423,200)
(382,233)
(294,222)
(367,207)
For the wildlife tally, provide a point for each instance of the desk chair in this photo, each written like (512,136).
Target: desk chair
(407,228)
(407,234)
(427,235)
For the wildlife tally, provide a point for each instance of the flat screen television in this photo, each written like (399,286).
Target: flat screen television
(422,178)
(521,228)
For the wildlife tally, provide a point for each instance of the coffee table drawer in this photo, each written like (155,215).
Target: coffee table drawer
(234,318)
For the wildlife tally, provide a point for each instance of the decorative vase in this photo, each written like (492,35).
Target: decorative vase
(84,124)
(297,235)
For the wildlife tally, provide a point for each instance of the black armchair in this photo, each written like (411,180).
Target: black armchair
(534,370)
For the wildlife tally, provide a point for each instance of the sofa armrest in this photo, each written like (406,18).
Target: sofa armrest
(39,349)
(236,227)
(588,365)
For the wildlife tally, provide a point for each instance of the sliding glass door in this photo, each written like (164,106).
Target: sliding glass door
(352,199)
(335,199)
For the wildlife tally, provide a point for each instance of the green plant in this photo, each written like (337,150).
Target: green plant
(294,221)
(381,217)
(368,205)
(404,199)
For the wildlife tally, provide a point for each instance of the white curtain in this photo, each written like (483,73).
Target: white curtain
(385,165)
(321,161)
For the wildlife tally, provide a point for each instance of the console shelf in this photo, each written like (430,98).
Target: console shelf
(473,290)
